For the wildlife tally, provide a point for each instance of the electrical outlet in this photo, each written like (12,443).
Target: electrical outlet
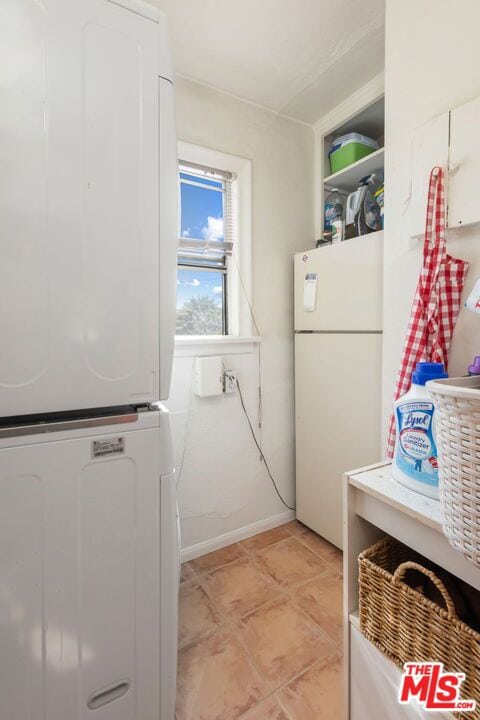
(229,381)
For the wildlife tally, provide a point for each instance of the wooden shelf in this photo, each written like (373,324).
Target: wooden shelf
(348,178)
(379,483)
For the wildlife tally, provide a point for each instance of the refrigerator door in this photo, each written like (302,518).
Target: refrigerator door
(337,409)
(82,119)
(89,567)
(348,293)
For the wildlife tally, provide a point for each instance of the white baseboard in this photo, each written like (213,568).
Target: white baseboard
(194,551)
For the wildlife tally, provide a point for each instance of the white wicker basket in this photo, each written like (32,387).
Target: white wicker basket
(457,411)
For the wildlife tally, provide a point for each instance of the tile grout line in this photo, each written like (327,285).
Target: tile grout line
(310,619)
(257,705)
(287,594)
(250,553)
(274,583)
(334,645)
(318,661)
(226,622)
(335,653)
(218,567)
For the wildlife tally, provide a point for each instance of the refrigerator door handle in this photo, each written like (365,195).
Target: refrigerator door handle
(168,231)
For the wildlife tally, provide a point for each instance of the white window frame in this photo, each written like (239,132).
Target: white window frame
(240,338)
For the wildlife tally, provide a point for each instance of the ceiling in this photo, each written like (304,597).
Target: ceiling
(300,58)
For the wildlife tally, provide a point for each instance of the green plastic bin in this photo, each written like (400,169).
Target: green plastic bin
(348,154)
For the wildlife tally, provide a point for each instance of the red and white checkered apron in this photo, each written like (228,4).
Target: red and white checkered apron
(437,299)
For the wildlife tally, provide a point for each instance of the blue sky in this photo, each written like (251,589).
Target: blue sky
(193,283)
(201,218)
(202,210)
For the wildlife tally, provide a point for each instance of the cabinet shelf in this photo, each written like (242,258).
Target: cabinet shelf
(348,178)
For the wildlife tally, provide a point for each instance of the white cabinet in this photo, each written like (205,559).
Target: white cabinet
(375,683)
(464,163)
(452,141)
(376,505)
(429,148)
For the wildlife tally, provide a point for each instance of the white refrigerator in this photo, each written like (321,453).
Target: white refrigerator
(338,355)
(89,557)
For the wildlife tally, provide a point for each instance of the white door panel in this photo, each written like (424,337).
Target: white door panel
(429,148)
(24,301)
(464,164)
(349,285)
(375,684)
(22,590)
(337,409)
(113,235)
(80,217)
(80,562)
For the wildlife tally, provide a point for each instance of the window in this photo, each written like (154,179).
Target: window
(214,257)
(205,249)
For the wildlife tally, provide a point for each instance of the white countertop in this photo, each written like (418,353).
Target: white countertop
(378,482)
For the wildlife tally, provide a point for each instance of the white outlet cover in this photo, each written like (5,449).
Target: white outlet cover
(208,376)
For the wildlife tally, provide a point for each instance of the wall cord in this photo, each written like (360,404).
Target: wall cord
(262,456)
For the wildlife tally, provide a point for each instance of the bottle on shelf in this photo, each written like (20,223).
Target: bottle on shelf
(415,460)
(334,216)
(474,368)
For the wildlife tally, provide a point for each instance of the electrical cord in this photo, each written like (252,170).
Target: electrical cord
(262,456)
(257,329)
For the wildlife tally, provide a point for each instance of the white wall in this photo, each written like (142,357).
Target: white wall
(223,485)
(432,60)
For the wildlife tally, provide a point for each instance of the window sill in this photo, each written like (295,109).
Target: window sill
(193,345)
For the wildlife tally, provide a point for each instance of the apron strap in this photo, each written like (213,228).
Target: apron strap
(435,245)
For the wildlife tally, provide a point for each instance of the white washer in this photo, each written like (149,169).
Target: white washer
(90,569)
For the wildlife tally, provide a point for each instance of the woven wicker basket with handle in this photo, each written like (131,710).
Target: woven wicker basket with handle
(408,627)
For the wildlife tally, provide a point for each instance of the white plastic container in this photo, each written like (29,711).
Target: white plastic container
(354,137)
(415,460)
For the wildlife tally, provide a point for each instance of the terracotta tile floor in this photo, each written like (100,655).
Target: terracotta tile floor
(260,630)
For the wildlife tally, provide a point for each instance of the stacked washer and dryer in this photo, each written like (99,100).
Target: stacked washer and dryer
(89,553)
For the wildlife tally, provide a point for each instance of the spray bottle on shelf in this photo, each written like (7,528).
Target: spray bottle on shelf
(415,461)
(474,368)
(334,222)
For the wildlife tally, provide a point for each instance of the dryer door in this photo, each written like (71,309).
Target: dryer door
(80,569)
(79,208)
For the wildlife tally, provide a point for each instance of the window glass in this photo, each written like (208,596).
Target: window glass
(201,208)
(200,302)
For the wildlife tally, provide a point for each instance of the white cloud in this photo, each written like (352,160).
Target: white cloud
(217,290)
(186,233)
(192,283)
(214,231)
